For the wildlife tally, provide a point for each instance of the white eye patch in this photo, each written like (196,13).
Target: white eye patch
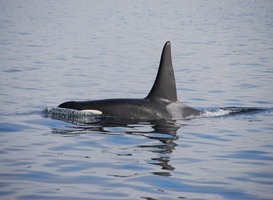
(95,112)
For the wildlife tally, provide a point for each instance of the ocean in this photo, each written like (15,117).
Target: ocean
(57,51)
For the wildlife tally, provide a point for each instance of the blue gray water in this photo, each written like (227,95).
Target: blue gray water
(55,51)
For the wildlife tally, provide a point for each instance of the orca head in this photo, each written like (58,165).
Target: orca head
(69,104)
(164,87)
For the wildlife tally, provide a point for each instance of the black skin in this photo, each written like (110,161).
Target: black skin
(143,109)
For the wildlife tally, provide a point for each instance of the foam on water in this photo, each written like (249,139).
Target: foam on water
(72,116)
(228,111)
(216,113)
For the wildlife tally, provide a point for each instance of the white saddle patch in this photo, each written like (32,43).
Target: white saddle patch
(175,109)
(95,112)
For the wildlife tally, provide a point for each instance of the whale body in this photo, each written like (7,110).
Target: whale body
(161,102)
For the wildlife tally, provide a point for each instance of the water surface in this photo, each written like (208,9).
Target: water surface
(55,51)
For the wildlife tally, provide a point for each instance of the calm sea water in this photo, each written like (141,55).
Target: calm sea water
(55,51)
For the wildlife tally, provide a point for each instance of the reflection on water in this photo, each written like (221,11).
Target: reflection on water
(162,131)
(208,157)
(166,133)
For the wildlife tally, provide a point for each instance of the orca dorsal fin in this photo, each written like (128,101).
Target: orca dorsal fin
(164,87)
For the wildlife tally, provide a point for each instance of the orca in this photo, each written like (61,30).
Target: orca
(161,102)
